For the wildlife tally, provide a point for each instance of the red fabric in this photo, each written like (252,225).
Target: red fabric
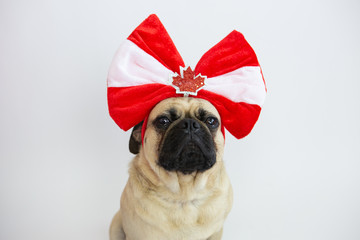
(143,129)
(238,118)
(152,37)
(229,54)
(130,105)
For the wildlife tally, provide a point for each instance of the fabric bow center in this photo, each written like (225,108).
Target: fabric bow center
(187,83)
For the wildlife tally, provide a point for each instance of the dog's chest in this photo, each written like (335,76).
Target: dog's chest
(197,218)
(191,213)
(186,213)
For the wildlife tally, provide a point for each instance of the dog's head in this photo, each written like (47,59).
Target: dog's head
(182,135)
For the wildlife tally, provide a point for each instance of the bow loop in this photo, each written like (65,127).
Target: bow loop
(152,37)
(229,54)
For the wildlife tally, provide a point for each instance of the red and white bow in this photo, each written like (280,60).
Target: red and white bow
(147,68)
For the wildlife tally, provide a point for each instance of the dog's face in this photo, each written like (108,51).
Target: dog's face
(182,135)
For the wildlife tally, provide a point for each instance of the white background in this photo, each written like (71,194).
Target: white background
(63,161)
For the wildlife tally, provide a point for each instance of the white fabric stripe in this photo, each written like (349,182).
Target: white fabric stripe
(132,66)
(241,85)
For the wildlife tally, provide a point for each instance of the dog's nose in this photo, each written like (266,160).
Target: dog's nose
(189,125)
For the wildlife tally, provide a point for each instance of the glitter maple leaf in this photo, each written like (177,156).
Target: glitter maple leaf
(188,83)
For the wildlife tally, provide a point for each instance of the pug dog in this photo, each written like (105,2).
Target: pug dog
(178,188)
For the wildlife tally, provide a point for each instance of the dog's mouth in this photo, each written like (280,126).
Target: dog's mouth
(192,158)
(188,155)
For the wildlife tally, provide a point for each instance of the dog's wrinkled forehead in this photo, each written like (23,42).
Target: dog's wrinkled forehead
(184,107)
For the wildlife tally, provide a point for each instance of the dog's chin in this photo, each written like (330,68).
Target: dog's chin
(192,158)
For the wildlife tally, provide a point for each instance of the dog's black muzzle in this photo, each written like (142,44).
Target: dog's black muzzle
(187,147)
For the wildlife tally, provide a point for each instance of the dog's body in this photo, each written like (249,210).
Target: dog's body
(178,187)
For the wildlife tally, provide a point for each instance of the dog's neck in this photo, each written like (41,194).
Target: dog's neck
(174,185)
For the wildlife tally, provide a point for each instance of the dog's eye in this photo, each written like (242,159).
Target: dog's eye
(162,122)
(212,122)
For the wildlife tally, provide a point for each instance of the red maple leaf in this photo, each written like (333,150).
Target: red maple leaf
(188,83)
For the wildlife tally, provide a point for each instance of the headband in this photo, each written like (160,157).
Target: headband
(147,68)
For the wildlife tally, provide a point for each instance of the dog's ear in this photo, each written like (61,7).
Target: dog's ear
(135,139)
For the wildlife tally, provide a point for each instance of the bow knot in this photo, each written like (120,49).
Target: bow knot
(187,83)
